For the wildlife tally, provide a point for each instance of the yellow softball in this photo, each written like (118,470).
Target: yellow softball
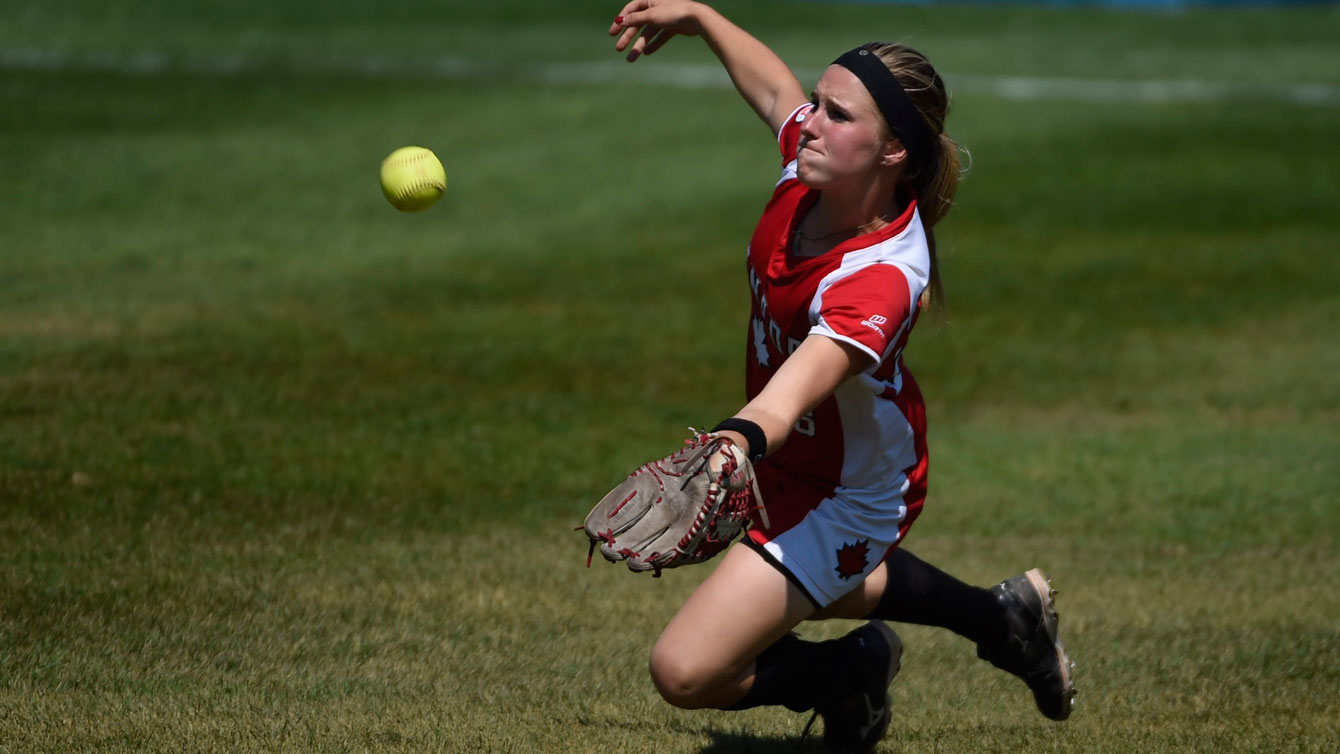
(413,179)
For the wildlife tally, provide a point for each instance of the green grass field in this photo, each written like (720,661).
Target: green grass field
(282,470)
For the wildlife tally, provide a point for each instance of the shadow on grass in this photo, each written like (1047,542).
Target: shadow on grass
(737,743)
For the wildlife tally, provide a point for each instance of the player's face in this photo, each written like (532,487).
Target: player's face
(842,139)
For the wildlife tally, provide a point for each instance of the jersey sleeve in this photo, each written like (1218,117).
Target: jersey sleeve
(788,138)
(869,308)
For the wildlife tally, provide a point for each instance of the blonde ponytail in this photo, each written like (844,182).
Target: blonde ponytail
(936,181)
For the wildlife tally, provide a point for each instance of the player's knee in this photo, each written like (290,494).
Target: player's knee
(680,680)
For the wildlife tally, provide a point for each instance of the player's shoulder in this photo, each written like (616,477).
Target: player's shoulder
(896,258)
(901,243)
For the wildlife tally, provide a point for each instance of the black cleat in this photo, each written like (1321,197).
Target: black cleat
(1033,650)
(855,724)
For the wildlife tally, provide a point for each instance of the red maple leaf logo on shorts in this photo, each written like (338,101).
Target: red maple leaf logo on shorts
(851,558)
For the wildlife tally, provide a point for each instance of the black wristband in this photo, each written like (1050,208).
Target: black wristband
(753,434)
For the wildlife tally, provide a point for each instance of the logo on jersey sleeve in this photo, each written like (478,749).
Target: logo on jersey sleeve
(876,322)
(852,558)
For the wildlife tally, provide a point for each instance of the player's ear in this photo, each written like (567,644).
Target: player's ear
(894,153)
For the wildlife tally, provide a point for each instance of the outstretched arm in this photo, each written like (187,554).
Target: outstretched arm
(805,379)
(762,78)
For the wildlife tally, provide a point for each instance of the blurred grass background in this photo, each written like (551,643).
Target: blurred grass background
(284,470)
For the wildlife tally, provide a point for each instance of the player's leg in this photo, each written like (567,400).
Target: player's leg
(907,589)
(1014,623)
(705,655)
(730,647)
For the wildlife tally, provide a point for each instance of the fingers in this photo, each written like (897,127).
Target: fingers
(621,19)
(627,36)
(639,45)
(635,35)
(650,41)
(658,41)
(639,28)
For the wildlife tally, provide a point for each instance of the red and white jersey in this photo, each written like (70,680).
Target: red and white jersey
(866,442)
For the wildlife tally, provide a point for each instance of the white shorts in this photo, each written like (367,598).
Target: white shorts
(839,541)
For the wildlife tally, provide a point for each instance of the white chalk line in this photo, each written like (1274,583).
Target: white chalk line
(656,73)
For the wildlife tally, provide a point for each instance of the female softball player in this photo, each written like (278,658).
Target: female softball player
(840,265)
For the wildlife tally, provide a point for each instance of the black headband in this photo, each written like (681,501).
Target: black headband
(902,116)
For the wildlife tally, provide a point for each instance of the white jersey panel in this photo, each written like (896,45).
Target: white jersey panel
(878,442)
(908,252)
